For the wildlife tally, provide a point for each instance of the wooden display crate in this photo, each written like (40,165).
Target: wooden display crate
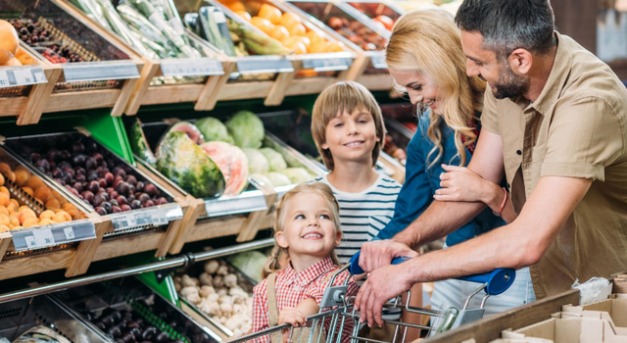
(104,79)
(369,67)
(312,72)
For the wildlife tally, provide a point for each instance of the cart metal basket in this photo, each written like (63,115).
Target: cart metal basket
(339,322)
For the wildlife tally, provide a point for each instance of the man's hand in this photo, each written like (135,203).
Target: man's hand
(376,254)
(381,285)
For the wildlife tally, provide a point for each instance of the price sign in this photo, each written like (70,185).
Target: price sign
(263,64)
(378,61)
(327,64)
(21,76)
(191,67)
(159,218)
(124,222)
(61,233)
(101,70)
(143,218)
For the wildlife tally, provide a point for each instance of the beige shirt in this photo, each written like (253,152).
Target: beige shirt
(576,128)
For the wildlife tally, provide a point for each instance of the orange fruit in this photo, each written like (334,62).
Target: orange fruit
(30,221)
(4,228)
(4,210)
(13,62)
(21,176)
(4,199)
(47,214)
(290,20)
(61,217)
(53,204)
(262,24)
(46,221)
(271,13)
(42,193)
(314,37)
(8,37)
(244,15)
(236,6)
(25,214)
(5,56)
(34,182)
(296,45)
(297,30)
(279,33)
(13,206)
(28,191)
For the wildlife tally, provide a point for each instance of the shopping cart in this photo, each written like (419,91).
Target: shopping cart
(339,322)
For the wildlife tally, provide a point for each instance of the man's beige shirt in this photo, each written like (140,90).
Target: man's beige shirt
(576,128)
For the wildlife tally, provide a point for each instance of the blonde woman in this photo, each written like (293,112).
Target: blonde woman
(425,58)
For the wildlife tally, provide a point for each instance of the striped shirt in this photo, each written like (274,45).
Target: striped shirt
(363,214)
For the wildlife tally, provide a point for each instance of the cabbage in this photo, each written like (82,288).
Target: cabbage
(275,160)
(246,129)
(212,129)
(250,263)
(297,175)
(278,179)
(257,162)
(262,180)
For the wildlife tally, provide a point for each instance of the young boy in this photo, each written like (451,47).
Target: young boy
(347,126)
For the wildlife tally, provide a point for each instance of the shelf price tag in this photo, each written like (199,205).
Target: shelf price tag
(21,76)
(159,218)
(264,64)
(123,222)
(191,67)
(378,61)
(55,234)
(101,70)
(327,64)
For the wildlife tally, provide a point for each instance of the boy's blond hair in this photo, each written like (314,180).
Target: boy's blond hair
(274,261)
(337,98)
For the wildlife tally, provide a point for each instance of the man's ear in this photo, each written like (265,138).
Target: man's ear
(520,60)
(281,240)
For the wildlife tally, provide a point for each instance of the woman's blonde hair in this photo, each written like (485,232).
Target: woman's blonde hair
(428,41)
(274,261)
(337,98)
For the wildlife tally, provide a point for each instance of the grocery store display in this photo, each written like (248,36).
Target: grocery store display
(220,293)
(89,171)
(382,14)
(11,54)
(136,315)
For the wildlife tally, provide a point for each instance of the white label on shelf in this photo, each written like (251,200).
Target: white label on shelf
(263,64)
(159,218)
(124,222)
(21,76)
(378,61)
(327,64)
(69,233)
(191,67)
(43,237)
(143,218)
(101,70)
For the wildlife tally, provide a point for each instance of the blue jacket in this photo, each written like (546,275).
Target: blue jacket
(421,182)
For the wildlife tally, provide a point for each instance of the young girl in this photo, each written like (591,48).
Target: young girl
(307,229)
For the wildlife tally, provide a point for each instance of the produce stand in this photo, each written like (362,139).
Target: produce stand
(369,67)
(88,71)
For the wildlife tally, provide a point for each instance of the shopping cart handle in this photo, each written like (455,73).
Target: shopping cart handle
(355,269)
(497,281)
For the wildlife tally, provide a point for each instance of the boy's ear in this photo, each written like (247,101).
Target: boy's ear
(280,239)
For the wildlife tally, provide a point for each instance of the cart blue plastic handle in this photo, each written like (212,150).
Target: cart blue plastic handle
(497,281)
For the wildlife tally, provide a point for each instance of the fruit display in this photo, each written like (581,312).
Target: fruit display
(27,201)
(153,28)
(344,24)
(136,315)
(284,26)
(90,172)
(383,15)
(42,38)
(219,292)
(215,158)
(11,54)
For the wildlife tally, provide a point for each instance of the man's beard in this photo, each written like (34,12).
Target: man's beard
(510,85)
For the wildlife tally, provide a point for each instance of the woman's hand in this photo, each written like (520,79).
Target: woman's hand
(462,184)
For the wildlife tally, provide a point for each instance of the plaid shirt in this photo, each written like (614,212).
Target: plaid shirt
(291,288)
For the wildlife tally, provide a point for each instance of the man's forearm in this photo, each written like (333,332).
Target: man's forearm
(437,221)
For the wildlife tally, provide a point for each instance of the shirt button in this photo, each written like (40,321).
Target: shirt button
(518,152)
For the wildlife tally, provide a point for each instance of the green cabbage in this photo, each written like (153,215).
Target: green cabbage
(275,159)
(257,162)
(212,129)
(246,129)
(250,263)
(278,179)
(297,175)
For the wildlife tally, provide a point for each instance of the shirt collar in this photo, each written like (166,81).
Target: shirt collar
(557,78)
(311,273)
